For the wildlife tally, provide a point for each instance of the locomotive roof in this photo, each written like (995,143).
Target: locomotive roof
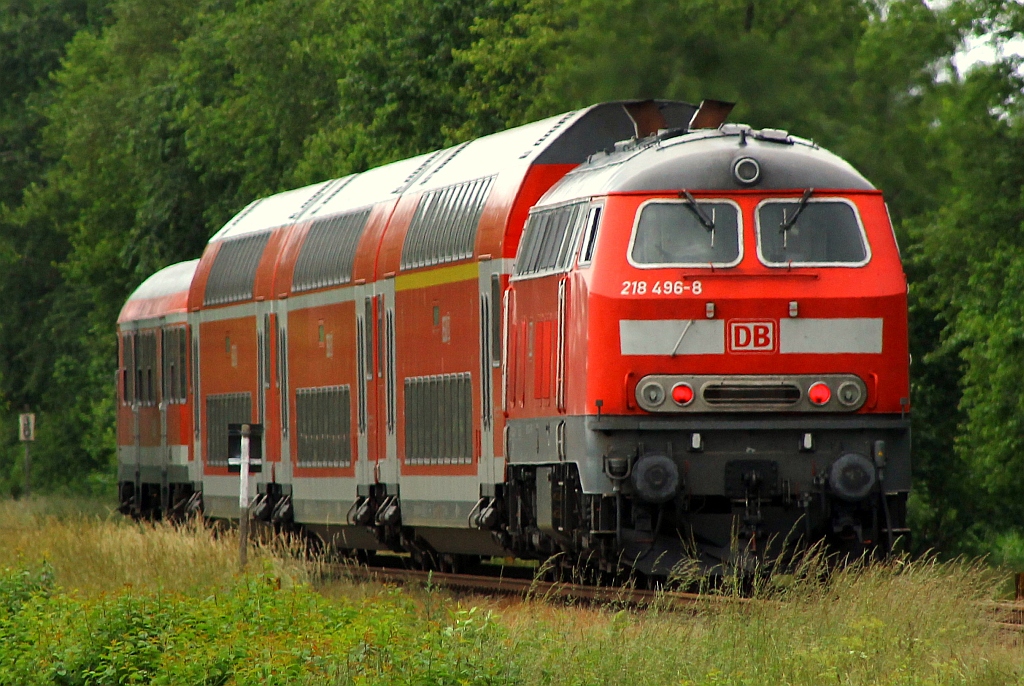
(704,160)
(568,138)
(156,295)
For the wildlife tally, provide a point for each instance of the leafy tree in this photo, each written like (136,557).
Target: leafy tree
(119,200)
(33,35)
(399,85)
(253,82)
(971,248)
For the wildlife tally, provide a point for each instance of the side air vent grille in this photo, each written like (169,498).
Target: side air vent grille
(439,419)
(752,394)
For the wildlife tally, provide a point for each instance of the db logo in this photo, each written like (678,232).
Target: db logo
(751,336)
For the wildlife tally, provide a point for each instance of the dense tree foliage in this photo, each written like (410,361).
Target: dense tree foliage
(130,131)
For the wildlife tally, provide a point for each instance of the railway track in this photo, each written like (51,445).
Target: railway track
(1004,615)
(534,588)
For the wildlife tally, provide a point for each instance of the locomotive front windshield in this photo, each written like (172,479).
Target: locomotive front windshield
(824,233)
(678,233)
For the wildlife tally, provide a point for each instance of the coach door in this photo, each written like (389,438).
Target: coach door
(366,374)
(384,437)
(281,435)
(164,453)
(268,400)
(491,417)
(131,353)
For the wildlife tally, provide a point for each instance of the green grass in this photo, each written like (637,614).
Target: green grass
(95,550)
(897,624)
(96,599)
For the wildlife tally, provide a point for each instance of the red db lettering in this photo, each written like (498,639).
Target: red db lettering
(751,336)
(740,337)
(762,336)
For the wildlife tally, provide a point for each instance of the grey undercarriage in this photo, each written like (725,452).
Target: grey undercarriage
(616,495)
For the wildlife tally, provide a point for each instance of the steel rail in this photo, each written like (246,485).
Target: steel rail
(1004,615)
(535,588)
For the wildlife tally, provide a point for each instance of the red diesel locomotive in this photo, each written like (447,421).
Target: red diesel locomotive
(630,334)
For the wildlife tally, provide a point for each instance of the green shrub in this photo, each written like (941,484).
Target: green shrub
(260,632)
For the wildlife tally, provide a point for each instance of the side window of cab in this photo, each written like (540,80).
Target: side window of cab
(590,229)
(549,240)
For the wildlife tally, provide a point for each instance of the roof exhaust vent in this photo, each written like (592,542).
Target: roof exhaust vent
(711,114)
(647,117)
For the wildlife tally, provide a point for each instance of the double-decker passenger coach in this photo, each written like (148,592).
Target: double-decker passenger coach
(630,334)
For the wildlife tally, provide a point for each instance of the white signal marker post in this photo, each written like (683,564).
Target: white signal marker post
(243,500)
(27,434)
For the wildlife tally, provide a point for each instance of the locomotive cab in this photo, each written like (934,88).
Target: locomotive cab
(707,354)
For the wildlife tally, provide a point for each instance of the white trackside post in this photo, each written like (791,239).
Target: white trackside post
(243,499)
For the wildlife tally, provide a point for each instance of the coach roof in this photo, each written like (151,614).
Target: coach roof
(164,292)
(564,139)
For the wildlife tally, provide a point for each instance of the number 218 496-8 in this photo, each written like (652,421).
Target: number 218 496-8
(661,288)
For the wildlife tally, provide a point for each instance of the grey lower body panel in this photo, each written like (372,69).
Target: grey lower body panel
(656,490)
(346,537)
(461,541)
(437,513)
(220,506)
(588,441)
(153,474)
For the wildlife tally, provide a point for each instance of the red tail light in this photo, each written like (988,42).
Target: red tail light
(682,394)
(819,393)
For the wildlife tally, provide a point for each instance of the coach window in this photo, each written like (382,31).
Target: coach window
(173,348)
(811,233)
(127,369)
(687,233)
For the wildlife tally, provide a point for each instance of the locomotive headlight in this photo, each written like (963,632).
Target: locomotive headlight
(746,171)
(682,394)
(652,393)
(819,393)
(849,393)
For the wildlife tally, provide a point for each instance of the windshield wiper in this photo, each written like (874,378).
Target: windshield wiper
(787,224)
(705,220)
